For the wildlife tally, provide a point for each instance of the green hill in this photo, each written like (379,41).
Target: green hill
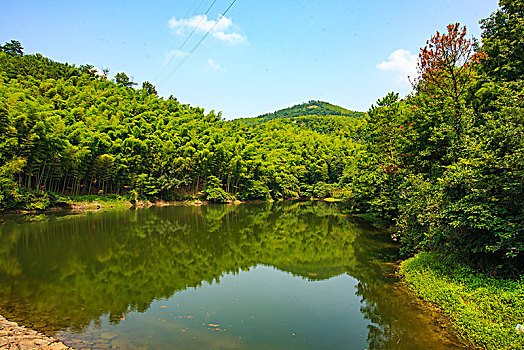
(321,117)
(311,108)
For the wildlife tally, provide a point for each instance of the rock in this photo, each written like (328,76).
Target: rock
(26,342)
(58,346)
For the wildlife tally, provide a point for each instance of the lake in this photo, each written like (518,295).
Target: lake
(286,275)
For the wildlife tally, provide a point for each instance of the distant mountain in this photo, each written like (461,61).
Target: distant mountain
(311,108)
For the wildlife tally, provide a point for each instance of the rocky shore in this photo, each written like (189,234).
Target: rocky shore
(15,337)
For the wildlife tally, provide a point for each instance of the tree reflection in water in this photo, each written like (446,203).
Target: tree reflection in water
(61,274)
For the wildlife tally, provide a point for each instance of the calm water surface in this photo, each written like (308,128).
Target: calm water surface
(254,276)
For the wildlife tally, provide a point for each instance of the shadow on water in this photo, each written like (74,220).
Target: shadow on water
(81,277)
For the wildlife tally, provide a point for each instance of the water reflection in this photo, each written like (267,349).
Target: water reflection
(68,274)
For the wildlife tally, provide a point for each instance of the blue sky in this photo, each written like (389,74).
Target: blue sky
(263,56)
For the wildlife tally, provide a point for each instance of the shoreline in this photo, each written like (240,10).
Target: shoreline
(97,206)
(115,204)
(14,336)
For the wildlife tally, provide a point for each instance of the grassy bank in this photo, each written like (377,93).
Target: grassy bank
(93,202)
(35,202)
(483,310)
(39,202)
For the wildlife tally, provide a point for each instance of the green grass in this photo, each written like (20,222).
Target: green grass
(332,200)
(482,309)
(96,202)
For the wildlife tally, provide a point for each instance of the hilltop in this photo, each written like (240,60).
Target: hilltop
(311,108)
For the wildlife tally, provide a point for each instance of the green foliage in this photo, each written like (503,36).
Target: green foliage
(13,48)
(474,206)
(380,168)
(149,89)
(123,80)
(445,165)
(484,310)
(213,191)
(503,42)
(9,192)
(254,190)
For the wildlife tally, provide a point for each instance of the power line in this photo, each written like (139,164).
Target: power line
(184,60)
(188,37)
(189,10)
(198,7)
(171,40)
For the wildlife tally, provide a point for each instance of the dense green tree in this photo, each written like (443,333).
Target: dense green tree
(13,47)
(149,88)
(123,80)
(503,42)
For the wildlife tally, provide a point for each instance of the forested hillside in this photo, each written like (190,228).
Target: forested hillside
(68,130)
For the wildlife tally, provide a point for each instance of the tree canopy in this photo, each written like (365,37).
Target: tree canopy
(13,47)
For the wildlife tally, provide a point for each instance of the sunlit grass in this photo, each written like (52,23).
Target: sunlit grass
(484,310)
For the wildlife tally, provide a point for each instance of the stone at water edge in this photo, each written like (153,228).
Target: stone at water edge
(519,329)
(58,346)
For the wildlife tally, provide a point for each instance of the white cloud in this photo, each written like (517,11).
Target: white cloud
(233,38)
(201,23)
(214,65)
(403,62)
